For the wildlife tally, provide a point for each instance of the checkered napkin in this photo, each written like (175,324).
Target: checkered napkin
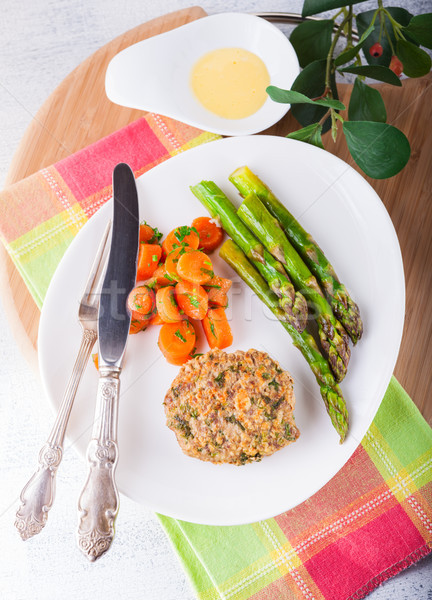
(40,215)
(373,519)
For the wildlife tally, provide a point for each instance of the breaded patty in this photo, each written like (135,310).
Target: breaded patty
(231,408)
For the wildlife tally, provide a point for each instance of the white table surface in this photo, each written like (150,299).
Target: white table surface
(41,41)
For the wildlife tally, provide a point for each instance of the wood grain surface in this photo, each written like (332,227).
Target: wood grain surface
(78,113)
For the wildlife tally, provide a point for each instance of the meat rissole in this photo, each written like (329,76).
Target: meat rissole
(231,408)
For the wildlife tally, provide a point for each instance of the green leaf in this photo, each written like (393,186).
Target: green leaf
(312,40)
(347,55)
(366,104)
(313,7)
(420,28)
(310,134)
(416,62)
(379,149)
(363,21)
(374,72)
(311,83)
(292,97)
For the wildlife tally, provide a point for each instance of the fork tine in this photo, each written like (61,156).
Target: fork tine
(98,266)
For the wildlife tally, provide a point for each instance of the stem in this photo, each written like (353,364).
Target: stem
(331,50)
(396,26)
(324,118)
(350,15)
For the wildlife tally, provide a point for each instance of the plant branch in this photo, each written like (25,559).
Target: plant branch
(332,49)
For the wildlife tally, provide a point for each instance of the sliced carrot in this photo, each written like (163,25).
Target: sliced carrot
(195,266)
(192,299)
(137,325)
(220,283)
(177,341)
(210,235)
(161,277)
(148,259)
(217,329)
(217,289)
(167,306)
(95,358)
(180,236)
(142,303)
(217,299)
(156,320)
(148,234)
(172,260)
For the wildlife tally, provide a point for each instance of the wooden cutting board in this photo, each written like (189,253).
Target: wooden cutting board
(54,134)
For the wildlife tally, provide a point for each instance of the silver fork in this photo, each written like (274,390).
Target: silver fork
(37,496)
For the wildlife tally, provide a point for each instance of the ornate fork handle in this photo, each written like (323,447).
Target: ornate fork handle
(37,496)
(99,502)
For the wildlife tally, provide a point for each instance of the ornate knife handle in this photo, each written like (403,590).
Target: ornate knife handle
(99,502)
(38,494)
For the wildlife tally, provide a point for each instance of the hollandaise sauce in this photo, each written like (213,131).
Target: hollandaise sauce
(230,82)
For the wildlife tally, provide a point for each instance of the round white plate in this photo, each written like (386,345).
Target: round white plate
(350,223)
(154,74)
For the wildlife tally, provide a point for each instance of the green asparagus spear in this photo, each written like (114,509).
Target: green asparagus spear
(333,337)
(218,205)
(344,307)
(330,391)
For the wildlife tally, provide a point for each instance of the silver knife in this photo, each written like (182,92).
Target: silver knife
(98,503)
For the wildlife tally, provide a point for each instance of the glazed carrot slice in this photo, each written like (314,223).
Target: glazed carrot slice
(156,320)
(210,235)
(138,325)
(195,266)
(161,278)
(149,234)
(167,306)
(148,259)
(180,236)
(172,260)
(192,299)
(216,299)
(95,358)
(142,303)
(217,329)
(217,289)
(177,341)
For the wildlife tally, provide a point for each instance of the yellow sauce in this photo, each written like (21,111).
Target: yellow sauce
(230,82)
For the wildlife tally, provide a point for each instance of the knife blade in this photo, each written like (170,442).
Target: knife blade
(98,502)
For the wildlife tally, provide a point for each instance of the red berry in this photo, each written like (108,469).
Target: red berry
(396,66)
(376,50)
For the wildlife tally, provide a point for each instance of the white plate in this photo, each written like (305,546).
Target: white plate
(351,224)
(154,74)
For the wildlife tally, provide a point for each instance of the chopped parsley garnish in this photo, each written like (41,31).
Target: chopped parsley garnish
(193,300)
(182,232)
(266,375)
(212,329)
(289,435)
(183,426)
(220,379)
(208,272)
(277,403)
(179,335)
(273,383)
(234,421)
(154,258)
